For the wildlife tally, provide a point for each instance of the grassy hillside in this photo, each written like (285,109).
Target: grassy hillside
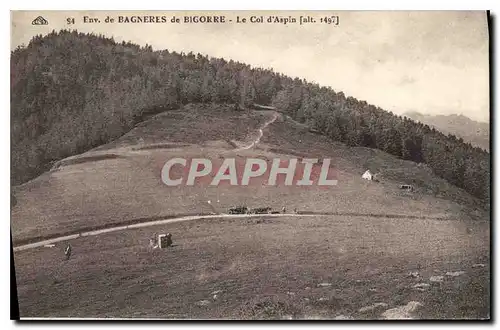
(107,185)
(72,92)
(336,265)
(270,268)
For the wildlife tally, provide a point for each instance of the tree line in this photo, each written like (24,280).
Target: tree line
(72,91)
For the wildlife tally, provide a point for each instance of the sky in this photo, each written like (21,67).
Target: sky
(433,62)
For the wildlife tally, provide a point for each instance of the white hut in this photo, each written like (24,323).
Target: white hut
(367,175)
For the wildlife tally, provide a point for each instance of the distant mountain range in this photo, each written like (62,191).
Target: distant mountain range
(474,132)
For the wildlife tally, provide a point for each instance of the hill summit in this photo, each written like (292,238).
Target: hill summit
(72,92)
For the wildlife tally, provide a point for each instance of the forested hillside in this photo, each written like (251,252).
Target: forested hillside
(74,91)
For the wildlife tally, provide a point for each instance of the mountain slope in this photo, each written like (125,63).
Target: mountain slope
(72,92)
(473,132)
(336,265)
(121,181)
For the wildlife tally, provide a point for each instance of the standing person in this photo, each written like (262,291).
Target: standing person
(169,239)
(67,251)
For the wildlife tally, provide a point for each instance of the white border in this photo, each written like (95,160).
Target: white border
(257,4)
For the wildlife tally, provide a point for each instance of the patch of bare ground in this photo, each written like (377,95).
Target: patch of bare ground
(194,124)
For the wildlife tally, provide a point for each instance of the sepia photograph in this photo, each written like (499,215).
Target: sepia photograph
(250,165)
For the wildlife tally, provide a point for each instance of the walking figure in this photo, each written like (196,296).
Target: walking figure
(67,251)
(169,239)
(283,210)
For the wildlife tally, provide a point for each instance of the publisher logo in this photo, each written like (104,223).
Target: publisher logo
(39,21)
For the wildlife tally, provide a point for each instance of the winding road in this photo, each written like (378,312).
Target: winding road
(213,216)
(141,225)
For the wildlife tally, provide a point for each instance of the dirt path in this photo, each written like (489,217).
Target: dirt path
(146,224)
(261,133)
(201,217)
